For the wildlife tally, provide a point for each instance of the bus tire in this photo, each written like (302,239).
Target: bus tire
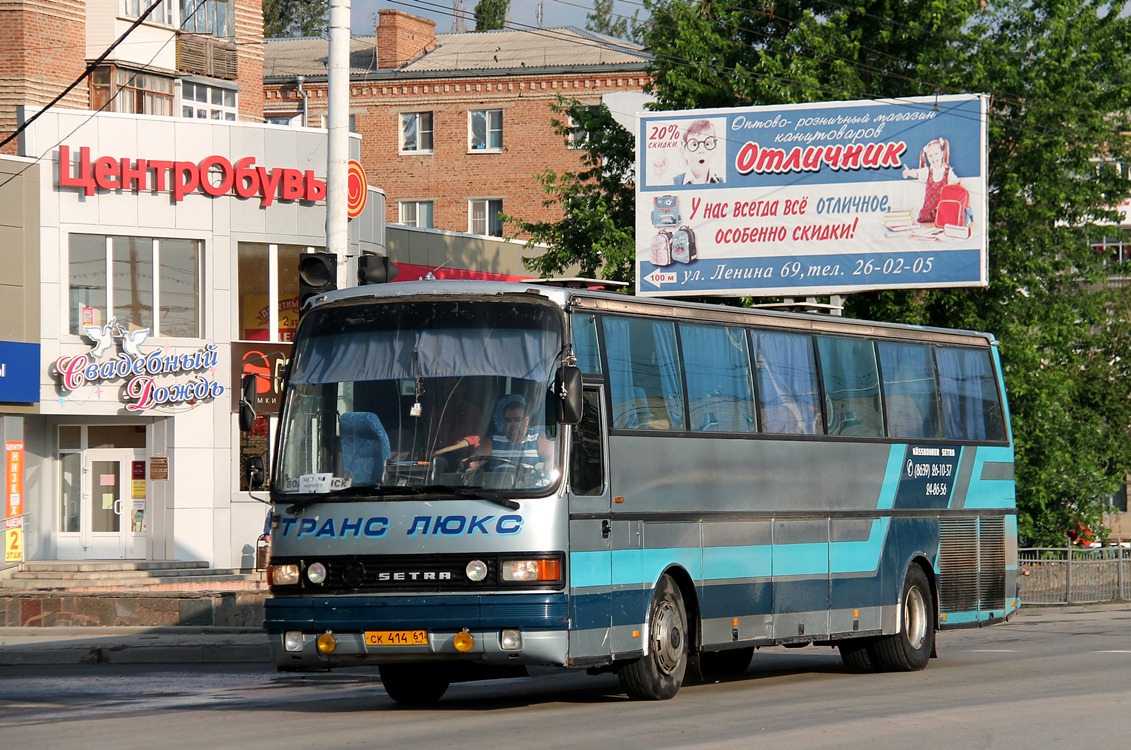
(414,684)
(910,649)
(857,655)
(730,663)
(658,675)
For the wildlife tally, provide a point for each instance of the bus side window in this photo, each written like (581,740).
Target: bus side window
(970,401)
(788,394)
(587,461)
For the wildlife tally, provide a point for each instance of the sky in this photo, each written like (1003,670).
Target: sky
(523,13)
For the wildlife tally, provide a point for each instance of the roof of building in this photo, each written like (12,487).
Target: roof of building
(308,56)
(478,52)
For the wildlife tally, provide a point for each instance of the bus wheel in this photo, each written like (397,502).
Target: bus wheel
(414,684)
(910,649)
(658,675)
(729,663)
(857,654)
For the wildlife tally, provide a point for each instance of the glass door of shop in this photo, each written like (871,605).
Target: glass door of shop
(112,514)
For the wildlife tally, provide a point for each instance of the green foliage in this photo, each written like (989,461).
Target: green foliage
(491,14)
(292,18)
(604,21)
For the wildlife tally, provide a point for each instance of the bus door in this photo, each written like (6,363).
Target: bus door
(590,531)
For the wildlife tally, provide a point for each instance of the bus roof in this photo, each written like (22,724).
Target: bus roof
(596,300)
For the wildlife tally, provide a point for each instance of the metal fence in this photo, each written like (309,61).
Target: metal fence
(1050,575)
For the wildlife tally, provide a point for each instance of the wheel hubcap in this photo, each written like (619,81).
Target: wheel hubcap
(915,618)
(667,637)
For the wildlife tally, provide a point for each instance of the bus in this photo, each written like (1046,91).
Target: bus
(473,478)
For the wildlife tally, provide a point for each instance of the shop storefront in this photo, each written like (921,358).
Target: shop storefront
(167,254)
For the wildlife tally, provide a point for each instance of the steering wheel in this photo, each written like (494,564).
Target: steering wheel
(476,467)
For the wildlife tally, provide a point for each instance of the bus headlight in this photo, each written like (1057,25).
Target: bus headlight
(476,570)
(282,575)
(292,640)
(529,571)
(316,572)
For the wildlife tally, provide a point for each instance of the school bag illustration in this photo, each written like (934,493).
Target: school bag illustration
(683,245)
(662,249)
(665,211)
(954,201)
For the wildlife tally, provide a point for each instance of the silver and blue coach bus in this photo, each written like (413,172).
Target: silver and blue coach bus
(472,478)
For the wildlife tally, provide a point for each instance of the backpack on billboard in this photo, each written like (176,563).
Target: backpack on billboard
(683,245)
(665,211)
(954,200)
(662,249)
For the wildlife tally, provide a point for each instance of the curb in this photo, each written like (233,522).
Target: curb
(115,645)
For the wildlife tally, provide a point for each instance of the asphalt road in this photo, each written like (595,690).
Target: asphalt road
(1049,678)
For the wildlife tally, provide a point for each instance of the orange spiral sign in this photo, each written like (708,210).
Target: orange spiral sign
(358,190)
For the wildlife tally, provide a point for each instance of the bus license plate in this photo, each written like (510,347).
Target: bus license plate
(396,637)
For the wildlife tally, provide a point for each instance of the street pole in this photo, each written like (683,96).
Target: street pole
(337,190)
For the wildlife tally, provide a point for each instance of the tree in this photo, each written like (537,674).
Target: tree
(289,18)
(597,230)
(604,21)
(1059,79)
(491,14)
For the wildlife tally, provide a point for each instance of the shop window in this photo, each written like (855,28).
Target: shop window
(415,214)
(136,282)
(204,102)
(416,132)
(214,17)
(115,89)
(255,442)
(268,291)
(485,216)
(485,130)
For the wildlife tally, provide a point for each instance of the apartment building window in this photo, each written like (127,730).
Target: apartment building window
(205,102)
(214,17)
(577,136)
(485,216)
(485,130)
(137,282)
(115,89)
(162,14)
(415,214)
(416,132)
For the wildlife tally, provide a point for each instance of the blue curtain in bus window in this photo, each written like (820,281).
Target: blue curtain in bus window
(786,383)
(970,406)
(644,375)
(911,393)
(585,343)
(719,393)
(852,387)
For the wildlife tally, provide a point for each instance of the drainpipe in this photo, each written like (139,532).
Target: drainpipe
(305,101)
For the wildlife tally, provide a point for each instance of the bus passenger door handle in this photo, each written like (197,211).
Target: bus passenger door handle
(606,529)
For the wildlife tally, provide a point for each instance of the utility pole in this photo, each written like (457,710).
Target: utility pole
(337,161)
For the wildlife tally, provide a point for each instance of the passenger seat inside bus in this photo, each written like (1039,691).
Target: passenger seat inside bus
(365,447)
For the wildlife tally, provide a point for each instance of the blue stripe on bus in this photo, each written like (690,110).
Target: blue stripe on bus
(596,568)
(438,612)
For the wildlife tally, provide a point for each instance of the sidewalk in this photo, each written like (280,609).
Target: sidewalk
(117,645)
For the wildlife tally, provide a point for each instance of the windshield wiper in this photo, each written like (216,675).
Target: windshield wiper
(473,492)
(360,491)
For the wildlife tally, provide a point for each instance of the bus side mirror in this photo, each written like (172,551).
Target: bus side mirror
(568,387)
(256,472)
(248,398)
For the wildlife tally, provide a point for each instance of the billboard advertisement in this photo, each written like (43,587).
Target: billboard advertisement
(810,199)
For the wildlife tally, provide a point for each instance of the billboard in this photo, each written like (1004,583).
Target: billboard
(809,199)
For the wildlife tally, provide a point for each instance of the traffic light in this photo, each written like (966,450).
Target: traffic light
(375,269)
(317,273)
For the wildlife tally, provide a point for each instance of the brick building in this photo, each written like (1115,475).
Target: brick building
(456,126)
(188,58)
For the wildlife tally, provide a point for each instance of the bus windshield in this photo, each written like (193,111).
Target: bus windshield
(399,397)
